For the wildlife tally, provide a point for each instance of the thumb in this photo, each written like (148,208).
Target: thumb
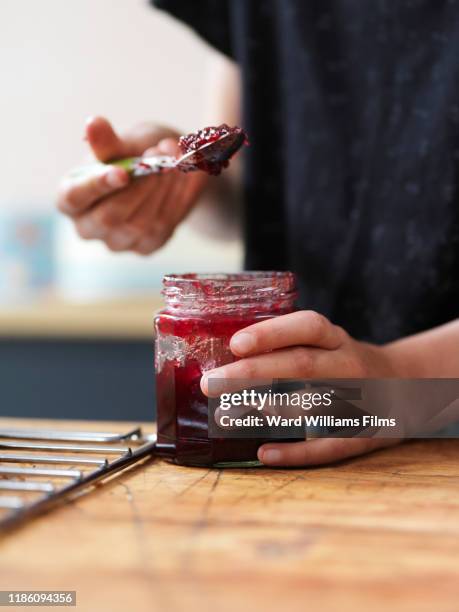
(103,140)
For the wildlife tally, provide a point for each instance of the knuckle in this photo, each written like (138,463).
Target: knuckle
(247,369)
(106,218)
(272,330)
(341,333)
(316,322)
(302,316)
(354,366)
(98,188)
(302,360)
(103,185)
(136,230)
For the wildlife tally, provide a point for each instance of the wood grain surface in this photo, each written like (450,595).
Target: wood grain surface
(379,532)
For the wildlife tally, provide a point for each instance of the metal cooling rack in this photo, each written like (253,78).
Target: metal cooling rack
(40,469)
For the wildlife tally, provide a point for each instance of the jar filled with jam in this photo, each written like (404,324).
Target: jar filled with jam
(193,333)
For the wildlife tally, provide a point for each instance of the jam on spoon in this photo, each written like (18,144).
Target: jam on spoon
(213,147)
(208,150)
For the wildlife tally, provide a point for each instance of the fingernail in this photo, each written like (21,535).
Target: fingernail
(115,179)
(242,342)
(270,455)
(213,381)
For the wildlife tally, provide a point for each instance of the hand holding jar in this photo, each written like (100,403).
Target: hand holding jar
(302,344)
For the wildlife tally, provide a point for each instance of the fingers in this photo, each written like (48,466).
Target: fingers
(140,219)
(144,135)
(153,218)
(104,141)
(298,362)
(304,327)
(166,146)
(107,144)
(318,451)
(108,220)
(77,194)
(180,193)
(143,216)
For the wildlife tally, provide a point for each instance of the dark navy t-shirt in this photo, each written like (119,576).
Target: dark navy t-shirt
(351,178)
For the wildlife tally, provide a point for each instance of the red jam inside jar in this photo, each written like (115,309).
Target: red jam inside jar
(193,332)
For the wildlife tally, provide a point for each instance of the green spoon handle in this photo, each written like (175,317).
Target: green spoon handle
(134,166)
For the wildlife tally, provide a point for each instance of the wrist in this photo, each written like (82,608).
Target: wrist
(405,362)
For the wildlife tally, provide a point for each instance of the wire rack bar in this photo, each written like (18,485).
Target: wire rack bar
(40,482)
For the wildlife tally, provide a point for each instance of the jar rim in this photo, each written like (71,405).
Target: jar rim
(227,277)
(250,290)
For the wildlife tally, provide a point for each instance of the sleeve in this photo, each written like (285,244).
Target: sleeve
(210,19)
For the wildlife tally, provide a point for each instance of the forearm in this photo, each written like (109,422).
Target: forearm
(430,354)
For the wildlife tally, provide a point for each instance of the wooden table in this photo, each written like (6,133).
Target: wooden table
(374,533)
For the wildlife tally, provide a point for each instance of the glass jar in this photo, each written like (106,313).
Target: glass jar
(193,332)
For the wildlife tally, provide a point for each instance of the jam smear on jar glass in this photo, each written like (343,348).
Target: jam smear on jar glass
(193,332)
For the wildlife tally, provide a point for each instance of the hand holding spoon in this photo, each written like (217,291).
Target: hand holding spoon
(208,150)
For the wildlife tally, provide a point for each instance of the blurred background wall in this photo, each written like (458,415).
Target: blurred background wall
(60,62)
(63,60)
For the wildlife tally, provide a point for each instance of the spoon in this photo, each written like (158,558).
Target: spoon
(210,157)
